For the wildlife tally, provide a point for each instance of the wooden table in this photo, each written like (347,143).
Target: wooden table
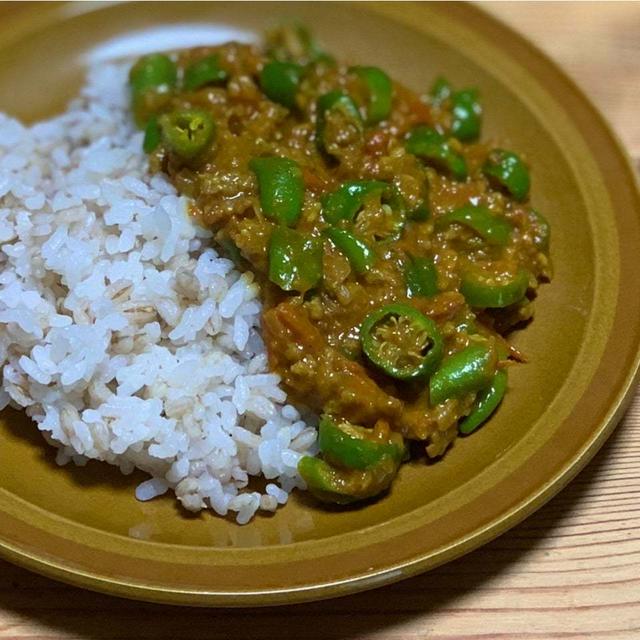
(572,570)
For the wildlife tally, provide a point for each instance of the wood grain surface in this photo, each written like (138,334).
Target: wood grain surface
(572,570)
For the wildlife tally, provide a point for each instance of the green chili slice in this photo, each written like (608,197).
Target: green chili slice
(486,403)
(152,72)
(335,102)
(506,170)
(421,277)
(344,486)
(280,82)
(434,148)
(281,188)
(384,223)
(466,115)
(542,234)
(494,229)
(353,447)
(152,135)
(151,79)
(187,133)
(345,202)
(310,46)
(489,285)
(440,90)
(295,260)
(358,252)
(464,372)
(204,72)
(467,324)
(230,249)
(294,42)
(380,92)
(420,213)
(401,341)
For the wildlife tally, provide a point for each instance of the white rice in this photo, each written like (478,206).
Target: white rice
(123,334)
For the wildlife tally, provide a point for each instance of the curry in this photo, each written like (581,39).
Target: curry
(394,250)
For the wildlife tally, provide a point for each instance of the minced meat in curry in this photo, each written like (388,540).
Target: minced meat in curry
(393,249)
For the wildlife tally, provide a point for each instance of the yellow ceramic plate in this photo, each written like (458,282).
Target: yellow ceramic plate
(85,526)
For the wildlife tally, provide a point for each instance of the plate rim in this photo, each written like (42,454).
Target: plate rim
(389,574)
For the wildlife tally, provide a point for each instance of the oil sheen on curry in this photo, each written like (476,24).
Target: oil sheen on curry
(393,249)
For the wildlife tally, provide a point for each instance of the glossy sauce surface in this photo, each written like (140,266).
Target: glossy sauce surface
(312,336)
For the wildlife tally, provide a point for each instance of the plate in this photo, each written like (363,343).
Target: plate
(84,526)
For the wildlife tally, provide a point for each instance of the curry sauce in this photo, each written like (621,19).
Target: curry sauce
(394,250)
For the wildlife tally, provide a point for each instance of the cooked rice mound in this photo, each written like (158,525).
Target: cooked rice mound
(123,334)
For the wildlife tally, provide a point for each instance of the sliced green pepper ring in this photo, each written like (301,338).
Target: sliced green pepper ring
(152,71)
(151,79)
(543,231)
(360,255)
(464,372)
(486,403)
(385,225)
(507,171)
(402,342)
(152,135)
(380,92)
(281,188)
(204,72)
(295,259)
(337,101)
(420,213)
(433,147)
(353,447)
(280,82)
(345,202)
(494,229)
(188,132)
(345,486)
(467,324)
(440,90)
(296,42)
(488,285)
(421,277)
(466,115)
